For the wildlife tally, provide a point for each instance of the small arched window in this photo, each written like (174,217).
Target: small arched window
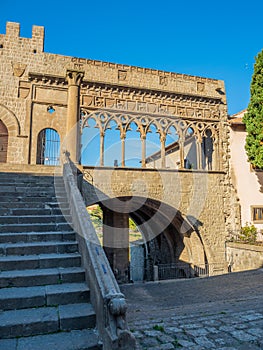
(3,142)
(48,147)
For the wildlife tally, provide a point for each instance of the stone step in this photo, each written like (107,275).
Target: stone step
(43,320)
(33,211)
(32,219)
(38,248)
(44,211)
(42,261)
(31,198)
(27,182)
(40,277)
(38,227)
(51,204)
(86,339)
(30,237)
(25,177)
(10,190)
(55,294)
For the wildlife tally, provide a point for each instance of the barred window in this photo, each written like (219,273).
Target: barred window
(257,213)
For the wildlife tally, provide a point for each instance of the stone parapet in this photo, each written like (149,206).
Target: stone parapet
(243,257)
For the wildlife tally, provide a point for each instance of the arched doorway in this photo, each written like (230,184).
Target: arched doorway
(48,147)
(167,239)
(3,142)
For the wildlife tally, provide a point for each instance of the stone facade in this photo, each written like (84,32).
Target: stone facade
(198,198)
(32,81)
(40,90)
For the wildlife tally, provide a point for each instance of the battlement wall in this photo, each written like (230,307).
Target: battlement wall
(31,50)
(12,37)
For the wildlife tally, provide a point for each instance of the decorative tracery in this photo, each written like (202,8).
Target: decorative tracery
(196,143)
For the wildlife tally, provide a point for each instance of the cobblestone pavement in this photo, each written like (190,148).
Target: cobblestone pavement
(223,312)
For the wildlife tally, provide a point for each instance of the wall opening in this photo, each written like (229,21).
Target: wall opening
(3,142)
(48,147)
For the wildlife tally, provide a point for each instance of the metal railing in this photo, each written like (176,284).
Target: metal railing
(185,270)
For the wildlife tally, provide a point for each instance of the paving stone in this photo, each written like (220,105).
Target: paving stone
(152,333)
(164,338)
(150,342)
(191,326)
(186,343)
(212,330)
(212,322)
(172,330)
(252,317)
(8,344)
(205,342)
(197,332)
(220,341)
(168,346)
(226,328)
(255,331)
(241,335)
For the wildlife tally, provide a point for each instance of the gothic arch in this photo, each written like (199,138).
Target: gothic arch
(163,124)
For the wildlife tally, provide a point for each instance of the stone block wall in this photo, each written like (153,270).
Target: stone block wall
(197,196)
(243,257)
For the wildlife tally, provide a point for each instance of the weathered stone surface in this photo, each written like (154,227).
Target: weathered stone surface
(86,339)
(43,288)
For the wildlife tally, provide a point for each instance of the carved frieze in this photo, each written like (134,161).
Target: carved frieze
(158,106)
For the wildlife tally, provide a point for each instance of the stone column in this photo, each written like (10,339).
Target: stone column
(181,148)
(73,136)
(102,134)
(116,242)
(123,136)
(163,160)
(199,153)
(143,138)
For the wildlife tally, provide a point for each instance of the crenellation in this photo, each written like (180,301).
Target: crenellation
(12,29)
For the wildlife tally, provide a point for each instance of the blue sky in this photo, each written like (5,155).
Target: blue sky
(213,39)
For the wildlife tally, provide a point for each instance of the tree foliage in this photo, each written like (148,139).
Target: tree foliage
(253,118)
(248,234)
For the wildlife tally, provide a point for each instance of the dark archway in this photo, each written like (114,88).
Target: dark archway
(3,142)
(168,237)
(48,147)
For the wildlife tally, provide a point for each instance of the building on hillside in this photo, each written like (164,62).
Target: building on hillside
(247,181)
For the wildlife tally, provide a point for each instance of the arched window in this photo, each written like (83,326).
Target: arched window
(48,147)
(3,142)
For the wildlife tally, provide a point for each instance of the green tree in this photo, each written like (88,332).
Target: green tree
(253,118)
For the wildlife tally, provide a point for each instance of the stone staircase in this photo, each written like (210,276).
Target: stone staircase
(44,299)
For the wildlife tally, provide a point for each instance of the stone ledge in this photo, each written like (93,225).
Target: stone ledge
(245,246)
